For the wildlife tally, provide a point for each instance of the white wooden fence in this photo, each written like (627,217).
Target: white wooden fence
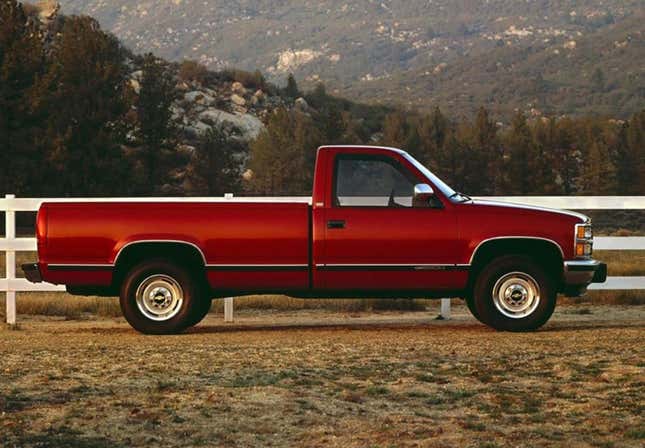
(10,244)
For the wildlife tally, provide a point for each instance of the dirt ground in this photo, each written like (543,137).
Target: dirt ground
(321,379)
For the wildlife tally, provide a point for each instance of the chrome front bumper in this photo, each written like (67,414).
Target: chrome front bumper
(578,274)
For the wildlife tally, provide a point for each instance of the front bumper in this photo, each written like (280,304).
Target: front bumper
(578,274)
(32,272)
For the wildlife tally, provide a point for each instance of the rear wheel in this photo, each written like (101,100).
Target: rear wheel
(513,293)
(470,303)
(158,297)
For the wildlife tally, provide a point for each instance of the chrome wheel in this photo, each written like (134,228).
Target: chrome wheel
(516,295)
(159,297)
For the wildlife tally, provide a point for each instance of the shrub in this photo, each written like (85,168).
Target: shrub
(192,71)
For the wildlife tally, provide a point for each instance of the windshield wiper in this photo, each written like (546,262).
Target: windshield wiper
(465,196)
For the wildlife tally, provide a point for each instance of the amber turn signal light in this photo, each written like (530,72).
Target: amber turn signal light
(581,232)
(583,249)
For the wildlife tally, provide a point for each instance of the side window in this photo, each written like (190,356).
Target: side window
(372,182)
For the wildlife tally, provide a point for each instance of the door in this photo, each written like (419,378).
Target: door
(377,239)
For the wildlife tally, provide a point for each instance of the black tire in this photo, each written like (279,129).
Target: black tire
(470,303)
(514,293)
(201,309)
(176,295)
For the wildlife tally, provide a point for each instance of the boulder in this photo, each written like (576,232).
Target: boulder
(244,127)
(48,10)
(195,130)
(138,75)
(199,97)
(302,105)
(136,85)
(237,99)
(238,87)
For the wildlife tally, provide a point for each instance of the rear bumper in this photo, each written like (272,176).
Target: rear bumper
(578,274)
(32,272)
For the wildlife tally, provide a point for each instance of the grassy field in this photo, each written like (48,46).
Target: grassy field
(320,379)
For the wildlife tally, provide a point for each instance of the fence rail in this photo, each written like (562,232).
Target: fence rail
(10,244)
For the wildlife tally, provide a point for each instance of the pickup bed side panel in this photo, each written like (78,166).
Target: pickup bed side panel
(248,246)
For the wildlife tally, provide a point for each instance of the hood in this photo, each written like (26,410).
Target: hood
(531,208)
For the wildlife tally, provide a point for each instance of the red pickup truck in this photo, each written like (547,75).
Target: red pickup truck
(379,224)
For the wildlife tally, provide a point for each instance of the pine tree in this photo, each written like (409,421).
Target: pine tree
(544,143)
(81,100)
(332,124)
(21,61)
(627,164)
(432,130)
(598,172)
(291,90)
(156,129)
(395,130)
(282,157)
(452,156)
(215,169)
(598,81)
(636,143)
(484,175)
(521,162)
(566,156)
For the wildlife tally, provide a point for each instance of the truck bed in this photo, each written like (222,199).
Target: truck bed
(242,242)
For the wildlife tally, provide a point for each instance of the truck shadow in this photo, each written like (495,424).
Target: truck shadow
(432,325)
(465,327)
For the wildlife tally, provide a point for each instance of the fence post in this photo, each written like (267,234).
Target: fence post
(10,258)
(445,309)
(228,301)
(228,309)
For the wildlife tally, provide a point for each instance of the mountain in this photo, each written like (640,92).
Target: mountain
(542,56)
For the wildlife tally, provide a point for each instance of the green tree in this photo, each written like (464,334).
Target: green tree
(432,130)
(521,162)
(636,145)
(332,123)
(598,171)
(566,156)
(21,61)
(544,136)
(282,157)
(157,131)
(598,80)
(215,168)
(483,173)
(81,100)
(291,90)
(395,130)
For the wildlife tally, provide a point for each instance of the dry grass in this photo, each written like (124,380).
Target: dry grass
(317,379)
(623,262)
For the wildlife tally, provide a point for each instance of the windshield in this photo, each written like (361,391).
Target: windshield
(438,183)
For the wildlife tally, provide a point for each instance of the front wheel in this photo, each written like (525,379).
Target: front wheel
(158,297)
(513,293)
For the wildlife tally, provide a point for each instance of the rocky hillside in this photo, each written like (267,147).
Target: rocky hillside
(549,56)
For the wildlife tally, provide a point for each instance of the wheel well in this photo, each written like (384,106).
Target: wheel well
(183,254)
(546,253)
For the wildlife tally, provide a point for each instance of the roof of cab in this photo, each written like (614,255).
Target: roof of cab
(386,148)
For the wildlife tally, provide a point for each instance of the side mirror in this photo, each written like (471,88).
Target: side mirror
(423,192)
(424,196)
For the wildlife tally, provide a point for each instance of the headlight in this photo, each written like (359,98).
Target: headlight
(583,240)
